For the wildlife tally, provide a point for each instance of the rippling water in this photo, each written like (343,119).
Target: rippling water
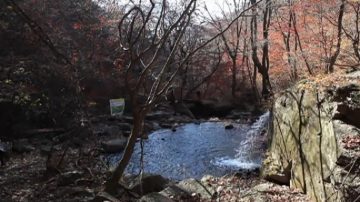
(194,150)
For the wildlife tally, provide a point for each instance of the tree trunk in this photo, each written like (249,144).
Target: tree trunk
(332,59)
(263,65)
(112,184)
(233,84)
(300,45)
(266,86)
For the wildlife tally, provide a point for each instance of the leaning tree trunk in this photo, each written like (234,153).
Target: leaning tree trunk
(112,184)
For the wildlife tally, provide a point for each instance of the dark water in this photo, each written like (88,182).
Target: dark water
(195,150)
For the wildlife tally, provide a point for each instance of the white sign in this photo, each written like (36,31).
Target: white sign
(117,106)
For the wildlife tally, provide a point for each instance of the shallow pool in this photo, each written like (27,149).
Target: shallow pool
(194,150)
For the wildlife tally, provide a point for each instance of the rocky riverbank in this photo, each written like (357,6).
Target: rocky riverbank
(313,149)
(66,164)
(245,186)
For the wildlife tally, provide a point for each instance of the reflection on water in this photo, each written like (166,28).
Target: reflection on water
(198,149)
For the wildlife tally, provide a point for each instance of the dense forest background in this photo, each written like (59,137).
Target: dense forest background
(60,57)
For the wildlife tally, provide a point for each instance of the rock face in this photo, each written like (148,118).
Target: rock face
(315,144)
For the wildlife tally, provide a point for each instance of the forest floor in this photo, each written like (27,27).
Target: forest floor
(25,179)
(73,170)
(74,177)
(250,187)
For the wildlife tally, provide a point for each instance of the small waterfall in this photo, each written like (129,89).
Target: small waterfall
(249,153)
(260,124)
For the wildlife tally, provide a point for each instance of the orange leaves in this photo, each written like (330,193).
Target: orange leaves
(77,26)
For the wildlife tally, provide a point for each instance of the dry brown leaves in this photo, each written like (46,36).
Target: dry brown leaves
(351,142)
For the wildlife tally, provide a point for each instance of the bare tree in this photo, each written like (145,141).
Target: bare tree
(287,26)
(332,58)
(287,36)
(231,38)
(331,50)
(202,66)
(144,33)
(353,32)
(298,40)
(263,65)
(246,54)
(213,65)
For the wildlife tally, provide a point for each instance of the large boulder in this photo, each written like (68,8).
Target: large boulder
(68,178)
(148,183)
(310,149)
(155,197)
(5,149)
(199,187)
(114,146)
(185,190)
(104,196)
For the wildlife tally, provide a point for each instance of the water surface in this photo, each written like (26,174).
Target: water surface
(195,150)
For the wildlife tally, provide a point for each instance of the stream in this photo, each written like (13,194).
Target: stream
(195,150)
